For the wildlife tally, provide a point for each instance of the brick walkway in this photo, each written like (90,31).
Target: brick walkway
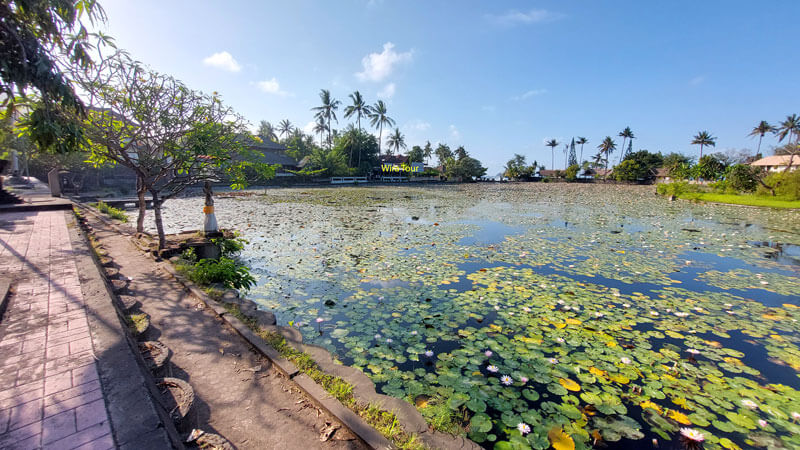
(50,394)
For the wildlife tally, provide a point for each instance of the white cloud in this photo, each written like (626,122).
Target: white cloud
(528,94)
(387,91)
(378,66)
(514,17)
(309,128)
(417,125)
(224,61)
(272,86)
(697,80)
(454,133)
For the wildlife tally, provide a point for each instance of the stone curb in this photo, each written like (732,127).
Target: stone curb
(128,389)
(348,418)
(5,295)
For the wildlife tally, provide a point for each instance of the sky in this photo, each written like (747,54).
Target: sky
(498,77)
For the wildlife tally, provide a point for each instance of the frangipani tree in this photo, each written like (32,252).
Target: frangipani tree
(170,136)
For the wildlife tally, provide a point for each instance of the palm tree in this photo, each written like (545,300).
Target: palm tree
(760,130)
(625,134)
(606,148)
(702,139)
(552,143)
(266,130)
(396,140)
(581,140)
(427,151)
(790,127)
(320,128)
(285,128)
(327,110)
(378,119)
(357,108)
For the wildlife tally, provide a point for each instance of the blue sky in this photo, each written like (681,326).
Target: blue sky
(496,77)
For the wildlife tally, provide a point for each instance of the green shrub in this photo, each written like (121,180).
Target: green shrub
(786,185)
(572,172)
(678,188)
(742,178)
(230,247)
(110,211)
(225,270)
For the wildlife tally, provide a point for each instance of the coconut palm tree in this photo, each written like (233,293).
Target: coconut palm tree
(552,143)
(760,130)
(790,127)
(266,130)
(378,118)
(606,148)
(327,110)
(427,151)
(581,140)
(358,108)
(625,134)
(702,139)
(320,128)
(396,140)
(285,128)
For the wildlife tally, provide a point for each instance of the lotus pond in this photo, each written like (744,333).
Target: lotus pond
(538,315)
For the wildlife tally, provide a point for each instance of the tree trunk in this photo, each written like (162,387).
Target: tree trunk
(581,161)
(140,191)
(701,152)
(758,150)
(380,140)
(622,153)
(359,140)
(162,239)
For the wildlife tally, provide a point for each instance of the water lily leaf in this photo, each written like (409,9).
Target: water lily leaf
(476,405)
(723,426)
(570,385)
(530,394)
(560,440)
(481,423)
(457,400)
(727,443)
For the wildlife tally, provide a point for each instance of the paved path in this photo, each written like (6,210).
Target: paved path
(50,395)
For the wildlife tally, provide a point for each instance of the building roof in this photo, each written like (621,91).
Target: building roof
(273,152)
(267,144)
(393,159)
(776,160)
(661,172)
(548,173)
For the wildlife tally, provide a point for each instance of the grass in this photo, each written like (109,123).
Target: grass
(138,323)
(384,422)
(741,199)
(114,213)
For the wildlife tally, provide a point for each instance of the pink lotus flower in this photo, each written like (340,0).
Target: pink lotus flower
(488,353)
(524,428)
(692,434)
(523,379)
(762,423)
(492,368)
(507,380)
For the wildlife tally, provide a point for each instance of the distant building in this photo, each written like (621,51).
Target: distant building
(662,175)
(777,163)
(551,173)
(275,153)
